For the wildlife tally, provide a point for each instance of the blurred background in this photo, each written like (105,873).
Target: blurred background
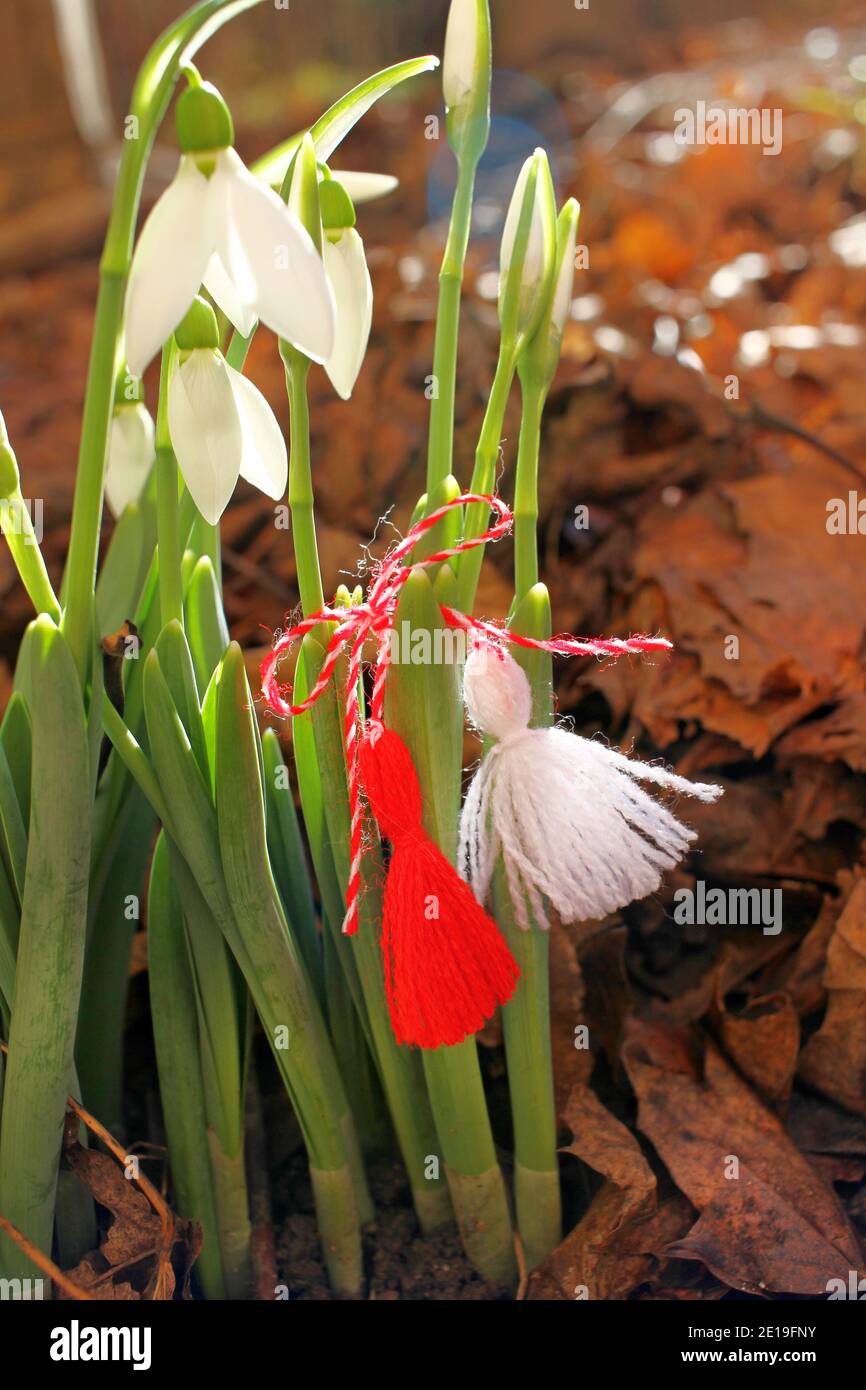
(703,266)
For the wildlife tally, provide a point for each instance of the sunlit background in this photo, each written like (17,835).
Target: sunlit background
(707,262)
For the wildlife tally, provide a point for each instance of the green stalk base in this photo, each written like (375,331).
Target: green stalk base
(474,1178)
(337,1216)
(483,1220)
(526,1028)
(233,1221)
(432,1207)
(539,1212)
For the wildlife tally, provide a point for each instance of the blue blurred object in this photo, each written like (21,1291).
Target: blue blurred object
(525,114)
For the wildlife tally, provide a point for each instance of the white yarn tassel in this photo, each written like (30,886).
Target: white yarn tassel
(567,814)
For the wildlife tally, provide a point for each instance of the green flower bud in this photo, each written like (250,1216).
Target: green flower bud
(528,252)
(303,193)
(338,210)
(203,120)
(540,358)
(466,74)
(198,328)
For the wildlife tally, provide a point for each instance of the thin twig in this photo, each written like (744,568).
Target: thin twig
(145,1186)
(35,1255)
(521,1269)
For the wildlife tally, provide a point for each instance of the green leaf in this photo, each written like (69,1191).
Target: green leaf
(176,664)
(332,127)
(51,946)
(16,736)
(13,833)
(284,996)
(10,923)
(205,622)
(288,860)
(124,569)
(181,1088)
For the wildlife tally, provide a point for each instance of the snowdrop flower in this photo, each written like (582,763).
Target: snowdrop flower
(131,452)
(346,268)
(221,426)
(218,225)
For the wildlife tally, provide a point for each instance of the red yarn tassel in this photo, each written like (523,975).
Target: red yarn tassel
(446,963)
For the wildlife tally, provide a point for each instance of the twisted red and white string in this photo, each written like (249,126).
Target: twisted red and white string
(375,618)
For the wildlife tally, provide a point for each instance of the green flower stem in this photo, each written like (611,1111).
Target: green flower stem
(301,500)
(484,476)
(98,403)
(168,526)
(423,704)
(526,492)
(441,434)
(526,1019)
(150,99)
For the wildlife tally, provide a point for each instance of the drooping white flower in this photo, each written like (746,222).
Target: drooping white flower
(222,428)
(226,229)
(131,453)
(346,268)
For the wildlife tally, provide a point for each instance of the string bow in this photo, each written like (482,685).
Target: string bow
(374,618)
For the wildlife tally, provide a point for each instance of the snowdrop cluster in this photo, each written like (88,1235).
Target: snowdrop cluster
(219,227)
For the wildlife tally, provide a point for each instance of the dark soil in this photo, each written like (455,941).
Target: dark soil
(401,1263)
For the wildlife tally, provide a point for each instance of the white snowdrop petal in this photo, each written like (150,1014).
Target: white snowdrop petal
(272,260)
(264,461)
(167,268)
(363,187)
(564,286)
(346,267)
(460,55)
(130,456)
(205,431)
(222,289)
(512,220)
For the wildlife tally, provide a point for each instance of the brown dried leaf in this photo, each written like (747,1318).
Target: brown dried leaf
(834,1058)
(609,1251)
(776,1227)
